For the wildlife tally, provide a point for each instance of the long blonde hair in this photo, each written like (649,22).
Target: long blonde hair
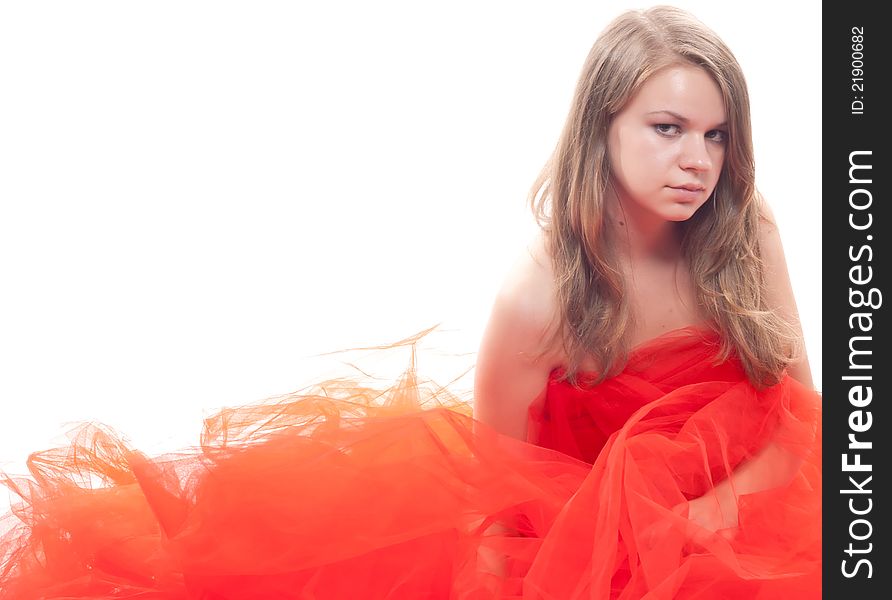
(719,242)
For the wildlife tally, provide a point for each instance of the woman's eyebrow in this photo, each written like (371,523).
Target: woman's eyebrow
(677,116)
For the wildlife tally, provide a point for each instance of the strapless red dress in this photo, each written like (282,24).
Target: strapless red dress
(356,493)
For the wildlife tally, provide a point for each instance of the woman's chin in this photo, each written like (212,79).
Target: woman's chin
(683,212)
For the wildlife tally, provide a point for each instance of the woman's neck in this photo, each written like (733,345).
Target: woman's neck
(644,237)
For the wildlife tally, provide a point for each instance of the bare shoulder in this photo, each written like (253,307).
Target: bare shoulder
(772,251)
(526,297)
(770,243)
(767,220)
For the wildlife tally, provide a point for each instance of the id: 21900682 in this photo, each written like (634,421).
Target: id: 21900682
(858,70)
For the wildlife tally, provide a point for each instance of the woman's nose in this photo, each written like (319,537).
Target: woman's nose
(695,155)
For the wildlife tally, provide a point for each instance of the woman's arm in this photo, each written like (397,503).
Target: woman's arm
(779,291)
(773,466)
(512,370)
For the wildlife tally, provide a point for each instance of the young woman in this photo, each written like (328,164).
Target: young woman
(645,424)
(656,252)
(651,225)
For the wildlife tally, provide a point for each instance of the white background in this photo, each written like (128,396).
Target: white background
(196,198)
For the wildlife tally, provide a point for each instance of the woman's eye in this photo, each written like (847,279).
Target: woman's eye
(717,135)
(666,129)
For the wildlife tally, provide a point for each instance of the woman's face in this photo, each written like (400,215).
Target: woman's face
(667,146)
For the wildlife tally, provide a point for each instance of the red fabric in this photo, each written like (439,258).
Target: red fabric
(348,493)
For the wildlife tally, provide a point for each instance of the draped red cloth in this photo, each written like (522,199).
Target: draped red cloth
(351,492)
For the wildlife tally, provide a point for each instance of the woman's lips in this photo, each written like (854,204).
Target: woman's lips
(686,193)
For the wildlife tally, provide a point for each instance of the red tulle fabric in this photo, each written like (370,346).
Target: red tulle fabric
(357,493)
